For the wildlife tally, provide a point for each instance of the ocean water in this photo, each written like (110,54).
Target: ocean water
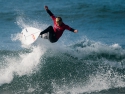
(91,61)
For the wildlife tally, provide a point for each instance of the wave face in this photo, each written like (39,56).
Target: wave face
(83,67)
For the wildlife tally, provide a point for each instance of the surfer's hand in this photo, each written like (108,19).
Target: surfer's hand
(75,31)
(46,7)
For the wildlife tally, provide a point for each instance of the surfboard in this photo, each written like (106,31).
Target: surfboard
(30,35)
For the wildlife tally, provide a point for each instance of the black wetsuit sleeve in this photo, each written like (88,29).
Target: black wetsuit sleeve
(49,12)
(72,29)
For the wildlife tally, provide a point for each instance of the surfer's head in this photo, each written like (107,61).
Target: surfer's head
(58,21)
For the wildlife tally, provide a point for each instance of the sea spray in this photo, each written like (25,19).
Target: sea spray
(25,64)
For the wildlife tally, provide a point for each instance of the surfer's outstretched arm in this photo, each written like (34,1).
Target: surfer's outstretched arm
(48,11)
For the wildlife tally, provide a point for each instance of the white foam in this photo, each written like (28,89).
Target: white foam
(25,64)
(87,47)
(95,83)
(116,46)
(29,61)
(22,22)
(18,37)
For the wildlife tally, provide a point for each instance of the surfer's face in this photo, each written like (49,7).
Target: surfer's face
(58,23)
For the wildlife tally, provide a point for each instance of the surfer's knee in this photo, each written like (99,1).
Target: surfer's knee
(53,40)
(50,27)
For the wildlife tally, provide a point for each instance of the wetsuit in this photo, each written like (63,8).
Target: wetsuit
(55,32)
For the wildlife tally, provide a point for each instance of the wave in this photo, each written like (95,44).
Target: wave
(99,50)
(19,63)
(83,67)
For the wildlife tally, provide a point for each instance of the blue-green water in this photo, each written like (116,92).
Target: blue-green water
(89,62)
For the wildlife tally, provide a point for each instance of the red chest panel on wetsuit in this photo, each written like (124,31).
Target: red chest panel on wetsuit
(59,29)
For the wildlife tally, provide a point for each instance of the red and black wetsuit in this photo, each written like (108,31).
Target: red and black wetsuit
(55,32)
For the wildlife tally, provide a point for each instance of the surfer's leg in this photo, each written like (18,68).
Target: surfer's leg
(51,37)
(47,30)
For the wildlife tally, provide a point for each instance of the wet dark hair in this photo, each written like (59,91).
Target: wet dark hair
(60,19)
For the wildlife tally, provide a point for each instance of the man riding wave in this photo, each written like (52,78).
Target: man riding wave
(57,30)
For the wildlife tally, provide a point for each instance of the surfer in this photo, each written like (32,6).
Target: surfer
(55,32)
